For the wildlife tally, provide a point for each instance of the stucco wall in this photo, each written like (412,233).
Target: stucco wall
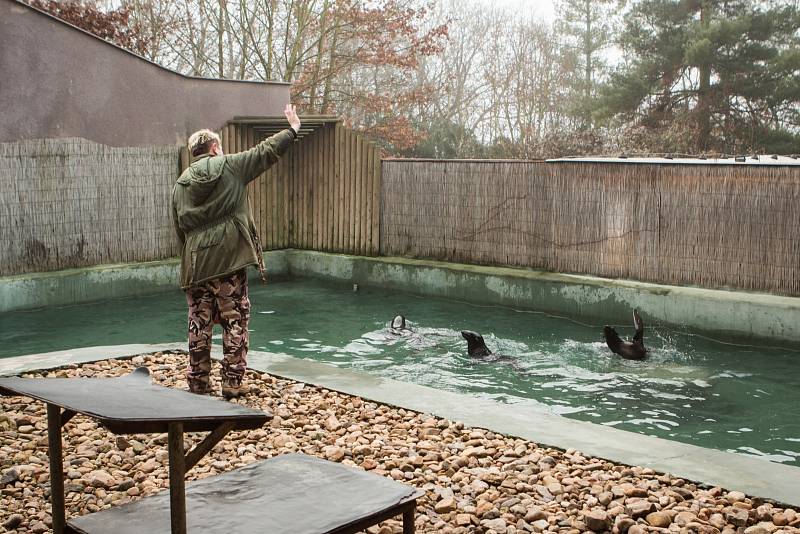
(58,81)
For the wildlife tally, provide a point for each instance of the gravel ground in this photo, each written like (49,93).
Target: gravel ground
(475,480)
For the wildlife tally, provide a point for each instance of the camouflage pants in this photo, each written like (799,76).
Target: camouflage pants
(224,301)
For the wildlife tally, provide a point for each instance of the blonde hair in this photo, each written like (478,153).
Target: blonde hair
(200,142)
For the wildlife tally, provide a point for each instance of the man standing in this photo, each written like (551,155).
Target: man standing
(212,217)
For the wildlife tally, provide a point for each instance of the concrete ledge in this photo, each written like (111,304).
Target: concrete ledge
(754,476)
(730,313)
(75,286)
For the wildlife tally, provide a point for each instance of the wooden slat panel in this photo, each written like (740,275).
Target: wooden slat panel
(312,193)
(347,190)
(353,238)
(306,197)
(367,199)
(376,202)
(327,225)
(319,189)
(365,195)
(339,202)
(271,206)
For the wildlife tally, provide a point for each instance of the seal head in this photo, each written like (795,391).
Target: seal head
(399,323)
(476,347)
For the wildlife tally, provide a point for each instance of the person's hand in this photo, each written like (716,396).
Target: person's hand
(291,116)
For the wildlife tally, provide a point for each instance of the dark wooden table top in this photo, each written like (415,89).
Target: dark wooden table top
(132,404)
(289,493)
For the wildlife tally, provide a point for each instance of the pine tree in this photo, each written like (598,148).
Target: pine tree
(587,26)
(715,75)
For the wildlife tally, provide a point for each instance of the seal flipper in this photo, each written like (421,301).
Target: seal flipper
(639,325)
(612,339)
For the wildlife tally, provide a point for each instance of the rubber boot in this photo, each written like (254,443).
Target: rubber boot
(232,386)
(199,384)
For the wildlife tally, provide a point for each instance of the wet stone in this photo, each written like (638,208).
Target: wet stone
(13,521)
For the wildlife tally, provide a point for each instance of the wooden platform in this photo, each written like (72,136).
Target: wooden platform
(292,493)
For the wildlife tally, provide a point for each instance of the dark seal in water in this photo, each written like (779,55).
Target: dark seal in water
(477,349)
(630,350)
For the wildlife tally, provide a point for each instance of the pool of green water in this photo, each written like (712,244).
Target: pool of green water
(693,389)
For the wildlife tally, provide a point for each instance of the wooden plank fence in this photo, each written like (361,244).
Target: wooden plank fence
(323,195)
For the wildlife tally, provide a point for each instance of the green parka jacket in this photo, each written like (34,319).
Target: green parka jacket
(212,214)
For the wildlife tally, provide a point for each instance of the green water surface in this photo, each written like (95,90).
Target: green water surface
(692,389)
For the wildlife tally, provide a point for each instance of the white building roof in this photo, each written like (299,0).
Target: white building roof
(738,160)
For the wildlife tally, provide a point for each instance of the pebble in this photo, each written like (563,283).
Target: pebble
(736,496)
(149,466)
(9,477)
(445,505)
(659,519)
(474,480)
(738,517)
(100,479)
(596,520)
(13,521)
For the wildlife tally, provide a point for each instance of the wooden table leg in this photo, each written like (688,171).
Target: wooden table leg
(408,518)
(177,484)
(56,468)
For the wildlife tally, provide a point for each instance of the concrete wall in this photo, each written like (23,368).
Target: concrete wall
(732,314)
(729,313)
(59,81)
(76,286)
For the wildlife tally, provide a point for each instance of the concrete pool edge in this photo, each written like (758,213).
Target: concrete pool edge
(735,314)
(753,476)
(90,284)
(727,314)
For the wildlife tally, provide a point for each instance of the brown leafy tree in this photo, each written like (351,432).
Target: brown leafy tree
(112,25)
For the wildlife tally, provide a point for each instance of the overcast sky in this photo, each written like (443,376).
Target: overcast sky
(539,8)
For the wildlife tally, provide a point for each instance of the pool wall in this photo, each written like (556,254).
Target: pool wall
(731,313)
(75,286)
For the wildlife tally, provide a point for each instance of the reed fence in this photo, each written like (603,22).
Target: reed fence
(72,203)
(707,225)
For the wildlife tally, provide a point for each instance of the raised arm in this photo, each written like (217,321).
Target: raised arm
(248,165)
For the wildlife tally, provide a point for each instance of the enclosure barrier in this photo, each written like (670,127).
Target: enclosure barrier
(324,195)
(73,203)
(715,226)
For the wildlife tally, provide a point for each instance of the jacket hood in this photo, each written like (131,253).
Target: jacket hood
(201,177)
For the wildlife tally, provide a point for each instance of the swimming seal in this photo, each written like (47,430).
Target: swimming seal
(399,324)
(477,349)
(630,350)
